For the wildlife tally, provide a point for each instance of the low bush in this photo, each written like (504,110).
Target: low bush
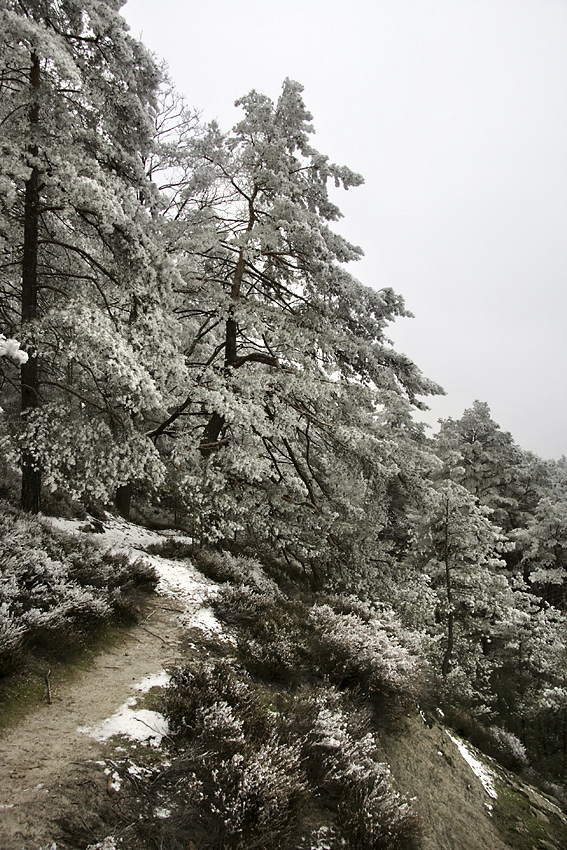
(171,547)
(236,569)
(273,641)
(246,776)
(375,654)
(196,690)
(507,749)
(352,644)
(54,588)
(236,781)
(495,742)
(344,762)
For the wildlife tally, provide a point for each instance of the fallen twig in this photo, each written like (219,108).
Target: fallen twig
(48,686)
(155,634)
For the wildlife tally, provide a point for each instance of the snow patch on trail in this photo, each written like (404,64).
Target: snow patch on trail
(137,724)
(486,776)
(178,580)
(156,680)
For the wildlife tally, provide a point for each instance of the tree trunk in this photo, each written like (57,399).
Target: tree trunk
(31,473)
(216,421)
(451,616)
(123,500)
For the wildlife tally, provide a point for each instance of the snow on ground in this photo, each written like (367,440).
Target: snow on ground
(485,775)
(178,580)
(156,680)
(137,724)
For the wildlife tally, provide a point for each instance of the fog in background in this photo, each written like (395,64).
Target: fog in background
(455,112)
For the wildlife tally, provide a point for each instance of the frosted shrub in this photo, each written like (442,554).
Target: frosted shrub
(202,697)
(11,636)
(53,587)
(225,567)
(369,811)
(375,654)
(255,794)
(273,638)
(244,604)
(508,749)
(241,782)
(378,818)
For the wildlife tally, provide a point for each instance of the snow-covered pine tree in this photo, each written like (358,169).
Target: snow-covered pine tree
(486,460)
(460,550)
(297,417)
(80,269)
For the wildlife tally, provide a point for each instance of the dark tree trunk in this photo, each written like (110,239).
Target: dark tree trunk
(445,667)
(31,473)
(123,500)
(212,432)
(216,421)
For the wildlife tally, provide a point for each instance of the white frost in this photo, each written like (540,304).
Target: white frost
(162,812)
(114,781)
(485,775)
(108,844)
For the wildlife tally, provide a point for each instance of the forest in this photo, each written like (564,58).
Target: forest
(182,343)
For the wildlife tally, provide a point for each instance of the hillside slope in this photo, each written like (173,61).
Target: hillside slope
(68,782)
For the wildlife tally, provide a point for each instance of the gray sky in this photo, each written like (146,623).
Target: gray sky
(455,112)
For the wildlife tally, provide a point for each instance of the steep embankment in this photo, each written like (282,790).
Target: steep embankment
(467,801)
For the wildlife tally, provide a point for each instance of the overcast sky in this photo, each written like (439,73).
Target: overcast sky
(455,112)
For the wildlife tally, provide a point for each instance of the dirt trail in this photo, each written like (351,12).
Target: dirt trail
(53,786)
(40,757)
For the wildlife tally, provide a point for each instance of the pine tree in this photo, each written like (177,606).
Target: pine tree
(81,274)
(460,549)
(285,436)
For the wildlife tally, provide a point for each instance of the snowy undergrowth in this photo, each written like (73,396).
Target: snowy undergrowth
(266,751)
(56,588)
(236,758)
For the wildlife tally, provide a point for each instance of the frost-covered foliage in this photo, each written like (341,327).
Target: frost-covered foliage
(273,641)
(238,570)
(508,748)
(54,588)
(343,762)
(11,348)
(284,442)
(243,774)
(281,639)
(491,542)
(237,781)
(91,460)
(374,653)
(87,277)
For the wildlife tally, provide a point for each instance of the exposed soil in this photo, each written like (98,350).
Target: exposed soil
(453,803)
(51,787)
(457,811)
